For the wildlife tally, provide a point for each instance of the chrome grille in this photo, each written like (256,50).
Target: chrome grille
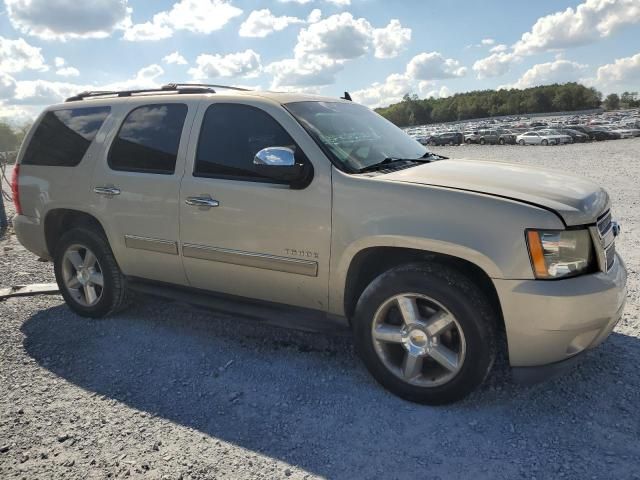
(610,255)
(604,223)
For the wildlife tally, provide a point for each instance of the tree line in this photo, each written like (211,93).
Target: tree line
(490,103)
(11,137)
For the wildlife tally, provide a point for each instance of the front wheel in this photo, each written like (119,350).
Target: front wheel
(87,273)
(545,142)
(426,333)
(521,142)
(501,141)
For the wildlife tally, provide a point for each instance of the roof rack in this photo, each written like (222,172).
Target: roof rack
(169,87)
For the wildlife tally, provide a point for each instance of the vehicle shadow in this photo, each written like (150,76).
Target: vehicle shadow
(305,399)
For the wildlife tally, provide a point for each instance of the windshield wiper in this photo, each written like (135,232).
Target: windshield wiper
(427,157)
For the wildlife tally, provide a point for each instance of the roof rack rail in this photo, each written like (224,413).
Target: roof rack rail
(169,87)
(225,87)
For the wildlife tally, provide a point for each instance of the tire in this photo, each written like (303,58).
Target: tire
(468,141)
(521,143)
(432,143)
(545,142)
(111,296)
(471,336)
(482,141)
(451,143)
(501,141)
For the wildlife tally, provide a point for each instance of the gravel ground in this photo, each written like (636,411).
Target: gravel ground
(165,390)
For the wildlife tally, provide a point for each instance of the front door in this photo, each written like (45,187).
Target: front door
(243,234)
(136,188)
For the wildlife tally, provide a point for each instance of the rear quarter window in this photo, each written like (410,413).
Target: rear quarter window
(149,139)
(63,137)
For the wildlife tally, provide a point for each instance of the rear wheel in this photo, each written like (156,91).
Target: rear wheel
(482,141)
(545,142)
(501,141)
(468,141)
(426,333)
(87,273)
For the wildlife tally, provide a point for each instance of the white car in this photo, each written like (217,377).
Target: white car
(622,131)
(542,138)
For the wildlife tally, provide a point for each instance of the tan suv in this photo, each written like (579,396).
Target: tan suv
(321,205)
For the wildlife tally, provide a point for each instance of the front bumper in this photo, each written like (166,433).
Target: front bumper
(551,321)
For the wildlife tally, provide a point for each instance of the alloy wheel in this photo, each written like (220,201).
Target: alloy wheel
(418,340)
(82,275)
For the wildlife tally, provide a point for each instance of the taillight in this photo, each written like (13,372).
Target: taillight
(15,190)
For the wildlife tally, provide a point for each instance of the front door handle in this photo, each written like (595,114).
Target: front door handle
(107,190)
(203,201)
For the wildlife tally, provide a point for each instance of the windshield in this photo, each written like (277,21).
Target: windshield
(353,135)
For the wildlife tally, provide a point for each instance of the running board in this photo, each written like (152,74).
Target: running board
(269,313)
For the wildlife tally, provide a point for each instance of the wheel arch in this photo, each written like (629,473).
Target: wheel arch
(371,262)
(59,220)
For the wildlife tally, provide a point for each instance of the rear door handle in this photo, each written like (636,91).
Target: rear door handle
(203,201)
(107,190)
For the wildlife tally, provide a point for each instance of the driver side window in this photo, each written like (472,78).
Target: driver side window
(230,137)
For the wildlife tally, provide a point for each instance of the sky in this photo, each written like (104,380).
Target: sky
(378,50)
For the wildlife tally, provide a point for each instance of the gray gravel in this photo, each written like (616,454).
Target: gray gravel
(165,390)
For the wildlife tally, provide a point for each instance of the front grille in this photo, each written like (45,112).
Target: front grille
(604,223)
(610,255)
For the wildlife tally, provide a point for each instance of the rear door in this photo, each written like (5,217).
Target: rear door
(136,188)
(258,239)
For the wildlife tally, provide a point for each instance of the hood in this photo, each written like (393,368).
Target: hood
(576,200)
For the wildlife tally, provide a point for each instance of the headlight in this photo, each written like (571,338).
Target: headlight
(560,253)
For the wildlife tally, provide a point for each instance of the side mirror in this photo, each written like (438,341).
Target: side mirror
(279,163)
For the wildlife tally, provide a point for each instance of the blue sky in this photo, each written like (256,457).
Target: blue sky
(378,50)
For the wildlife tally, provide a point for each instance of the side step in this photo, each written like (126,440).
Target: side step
(268,313)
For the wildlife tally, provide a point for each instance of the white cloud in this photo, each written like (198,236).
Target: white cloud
(495,64)
(7,87)
(323,48)
(443,92)
(68,72)
(174,58)
(385,93)
(305,72)
(58,61)
(18,55)
(43,92)
(343,37)
(390,40)
(338,3)
(487,41)
(261,23)
(67,19)
(199,16)
(241,64)
(339,37)
(558,71)
(622,71)
(586,23)
(498,48)
(314,16)
(433,66)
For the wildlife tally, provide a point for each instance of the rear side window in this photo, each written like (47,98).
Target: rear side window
(63,137)
(230,137)
(148,139)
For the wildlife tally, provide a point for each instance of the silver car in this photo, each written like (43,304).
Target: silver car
(541,137)
(308,210)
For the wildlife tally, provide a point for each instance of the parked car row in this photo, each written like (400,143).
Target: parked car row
(523,131)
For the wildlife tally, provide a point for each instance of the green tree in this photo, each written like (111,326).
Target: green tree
(612,102)
(9,139)
(487,103)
